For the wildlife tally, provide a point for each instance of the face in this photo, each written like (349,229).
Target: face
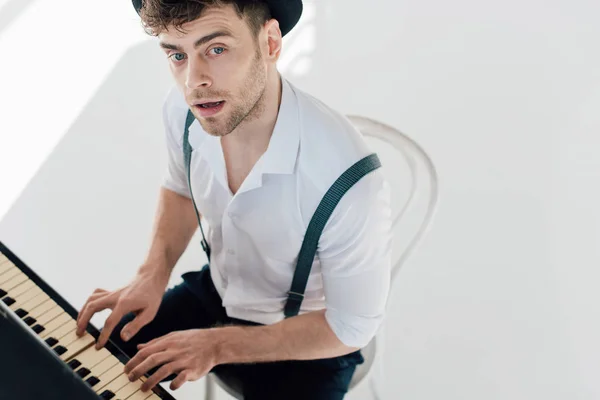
(218,60)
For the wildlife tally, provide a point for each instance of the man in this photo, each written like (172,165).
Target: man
(264,154)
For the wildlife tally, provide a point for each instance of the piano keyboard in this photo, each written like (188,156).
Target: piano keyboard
(54,321)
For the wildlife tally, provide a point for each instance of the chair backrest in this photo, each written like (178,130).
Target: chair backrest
(413,181)
(414,191)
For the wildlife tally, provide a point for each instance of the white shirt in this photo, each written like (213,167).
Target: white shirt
(255,235)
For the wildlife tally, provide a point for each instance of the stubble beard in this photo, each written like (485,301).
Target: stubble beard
(250,107)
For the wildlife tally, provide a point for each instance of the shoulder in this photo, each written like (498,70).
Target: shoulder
(329,142)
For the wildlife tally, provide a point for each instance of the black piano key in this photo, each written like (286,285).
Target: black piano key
(9,301)
(60,350)
(51,341)
(74,363)
(92,380)
(2,293)
(83,372)
(21,313)
(30,321)
(107,394)
(38,328)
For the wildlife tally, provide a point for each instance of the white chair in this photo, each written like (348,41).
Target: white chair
(415,200)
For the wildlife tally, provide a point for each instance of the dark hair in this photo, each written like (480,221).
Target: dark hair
(158,15)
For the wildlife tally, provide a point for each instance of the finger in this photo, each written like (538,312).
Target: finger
(133,327)
(156,340)
(153,361)
(91,309)
(143,354)
(112,321)
(161,374)
(98,293)
(181,378)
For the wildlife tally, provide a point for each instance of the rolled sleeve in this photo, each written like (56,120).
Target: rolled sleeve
(175,177)
(355,257)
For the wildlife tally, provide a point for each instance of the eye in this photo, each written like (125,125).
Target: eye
(218,50)
(177,57)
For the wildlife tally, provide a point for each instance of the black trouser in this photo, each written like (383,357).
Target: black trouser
(196,304)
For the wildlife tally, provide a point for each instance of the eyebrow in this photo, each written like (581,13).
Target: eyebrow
(199,42)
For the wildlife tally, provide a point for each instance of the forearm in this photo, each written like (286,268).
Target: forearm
(304,337)
(174,225)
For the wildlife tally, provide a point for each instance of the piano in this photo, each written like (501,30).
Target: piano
(41,357)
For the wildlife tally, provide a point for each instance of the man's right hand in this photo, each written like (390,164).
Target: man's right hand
(142,296)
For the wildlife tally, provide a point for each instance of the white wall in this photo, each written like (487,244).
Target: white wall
(499,302)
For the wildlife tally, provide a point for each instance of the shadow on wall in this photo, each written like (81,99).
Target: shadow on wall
(97,190)
(12,10)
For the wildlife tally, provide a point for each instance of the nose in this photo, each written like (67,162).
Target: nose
(197,75)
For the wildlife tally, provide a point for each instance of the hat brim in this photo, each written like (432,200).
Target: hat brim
(286,12)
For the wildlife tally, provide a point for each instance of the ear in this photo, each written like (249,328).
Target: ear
(274,39)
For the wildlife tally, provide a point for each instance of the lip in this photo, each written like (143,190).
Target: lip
(209,112)
(198,103)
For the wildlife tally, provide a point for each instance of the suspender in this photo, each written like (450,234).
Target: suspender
(187,157)
(315,227)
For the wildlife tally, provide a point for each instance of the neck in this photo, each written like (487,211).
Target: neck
(256,132)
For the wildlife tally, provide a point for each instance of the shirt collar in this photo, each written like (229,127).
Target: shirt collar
(282,151)
(281,155)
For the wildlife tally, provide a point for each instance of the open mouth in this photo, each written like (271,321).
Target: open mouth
(209,109)
(211,105)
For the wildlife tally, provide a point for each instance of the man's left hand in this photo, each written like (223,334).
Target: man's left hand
(190,354)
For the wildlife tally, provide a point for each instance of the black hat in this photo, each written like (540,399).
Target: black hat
(286,12)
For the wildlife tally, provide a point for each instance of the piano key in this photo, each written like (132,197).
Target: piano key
(60,350)
(117,383)
(50,315)
(101,368)
(129,389)
(139,395)
(2,293)
(5,266)
(42,308)
(69,338)
(92,381)
(22,288)
(9,301)
(51,341)
(38,328)
(107,395)
(33,302)
(29,320)
(105,365)
(14,282)
(22,297)
(122,387)
(6,276)
(83,372)
(65,329)
(74,364)
(55,324)
(21,313)
(78,346)
(92,357)
(108,376)
(26,296)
